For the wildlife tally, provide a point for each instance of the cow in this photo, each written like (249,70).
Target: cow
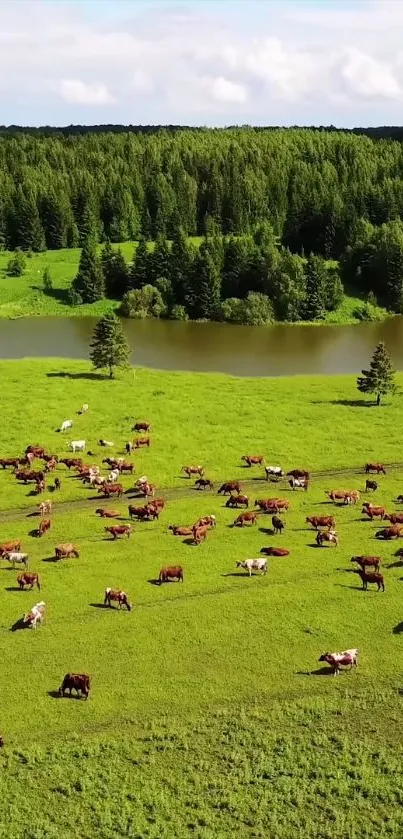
(16,558)
(178,530)
(367,562)
(267,505)
(237,501)
(193,470)
(211,521)
(119,530)
(253,565)
(394,518)
(200,533)
(327,536)
(44,525)
(7,547)
(107,514)
(399,499)
(392,532)
(112,462)
(141,426)
(298,473)
(14,462)
(370,485)
(128,447)
(273,472)
(29,475)
(111,489)
(352,496)
(28,578)
(77,445)
(253,459)
(39,487)
(58,484)
(245,518)
(37,451)
(125,466)
(299,483)
(113,476)
(275,551)
(66,550)
(35,615)
(174,572)
(106,444)
(140,442)
(79,682)
(372,511)
(71,462)
(83,409)
(120,597)
(278,525)
(147,489)
(337,494)
(203,483)
(158,503)
(376,578)
(321,521)
(348,658)
(50,465)
(375,467)
(228,487)
(45,507)
(66,425)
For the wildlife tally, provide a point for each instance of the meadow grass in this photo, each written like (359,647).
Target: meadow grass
(206,717)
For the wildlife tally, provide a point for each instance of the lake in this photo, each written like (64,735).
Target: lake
(278,350)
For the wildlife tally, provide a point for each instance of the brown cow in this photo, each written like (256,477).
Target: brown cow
(200,533)
(178,530)
(253,459)
(267,505)
(118,596)
(111,462)
(143,513)
(282,504)
(375,578)
(321,521)
(193,470)
(174,572)
(111,489)
(159,503)
(79,682)
(141,426)
(107,514)
(352,496)
(29,475)
(375,467)
(275,551)
(48,457)
(28,578)
(38,451)
(337,494)
(298,473)
(71,462)
(373,511)
(246,518)
(9,547)
(230,486)
(367,562)
(394,518)
(10,461)
(119,530)
(237,501)
(389,532)
(146,489)
(211,521)
(124,466)
(40,487)
(44,525)
(203,483)
(50,465)
(66,550)
(139,442)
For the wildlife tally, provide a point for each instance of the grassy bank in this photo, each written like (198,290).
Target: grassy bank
(207,717)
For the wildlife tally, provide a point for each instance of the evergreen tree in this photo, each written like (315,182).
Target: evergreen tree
(207,287)
(380,378)
(180,268)
(315,274)
(159,259)
(139,269)
(89,282)
(28,231)
(114,270)
(47,281)
(109,346)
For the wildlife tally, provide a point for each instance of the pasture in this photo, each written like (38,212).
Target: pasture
(209,713)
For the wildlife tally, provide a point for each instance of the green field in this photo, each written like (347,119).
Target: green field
(206,716)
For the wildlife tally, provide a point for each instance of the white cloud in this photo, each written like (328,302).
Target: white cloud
(365,76)
(76,92)
(223,90)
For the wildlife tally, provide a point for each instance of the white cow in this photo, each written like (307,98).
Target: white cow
(16,558)
(66,425)
(141,481)
(84,409)
(275,471)
(45,507)
(35,616)
(77,445)
(113,476)
(347,658)
(106,443)
(253,565)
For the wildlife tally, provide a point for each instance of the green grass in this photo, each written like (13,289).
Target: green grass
(205,718)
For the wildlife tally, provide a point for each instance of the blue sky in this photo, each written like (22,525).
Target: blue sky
(201,62)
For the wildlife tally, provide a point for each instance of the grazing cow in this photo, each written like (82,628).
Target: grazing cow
(321,521)
(28,578)
(375,467)
(253,459)
(83,409)
(37,451)
(299,483)
(35,615)
(140,442)
(113,476)
(44,525)
(141,426)
(79,682)
(237,501)
(40,487)
(275,551)
(351,496)
(71,462)
(66,425)
(147,489)
(245,518)
(394,518)
(66,550)
(203,483)
(211,521)
(112,462)
(16,558)
(337,494)
(174,572)
(193,470)
(267,505)
(327,536)
(29,475)
(14,462)
(367,562)
(128,447)
(111,489)
(253,565)
(48,457)
(392,532)
(77,445)
(298,473)
(143,513)
(50,464)
(229,487)
(348,658)
(107,514)
(45,508)
(119,530)
(120,597)
(158,503)
(370,485)
(372,511)
(376,578)
(106,443)
(200,533)
(278,525)
(13,545)
(178,530)
(124,466)
(273,472)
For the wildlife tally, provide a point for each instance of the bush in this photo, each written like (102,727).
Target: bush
(47,281)
(366,312)
(143,303)
(16,265)
(178,312)
(256,310)
(74,298)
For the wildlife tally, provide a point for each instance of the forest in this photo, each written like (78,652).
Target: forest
(288,216)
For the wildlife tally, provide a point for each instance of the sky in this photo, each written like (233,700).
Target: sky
(201,62)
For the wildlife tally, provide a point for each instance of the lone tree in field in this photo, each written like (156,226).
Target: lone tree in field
(380,378)
(109,347)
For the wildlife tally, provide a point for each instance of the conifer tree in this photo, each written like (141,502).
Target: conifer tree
(139,268)
(207,286)
(380,378)
(315,288)
(88,282)
(109,346)
(180,268)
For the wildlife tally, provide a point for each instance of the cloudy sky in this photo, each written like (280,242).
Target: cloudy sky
(201,62)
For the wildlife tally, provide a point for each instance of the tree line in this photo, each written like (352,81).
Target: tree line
(334,194)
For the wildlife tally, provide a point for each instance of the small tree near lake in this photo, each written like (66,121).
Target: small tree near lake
(109,347)
(380,378)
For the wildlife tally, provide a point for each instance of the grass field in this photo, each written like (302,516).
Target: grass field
(206,717)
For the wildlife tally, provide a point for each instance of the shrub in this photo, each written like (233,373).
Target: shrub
(143,302)
(16,265)
(178,312)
